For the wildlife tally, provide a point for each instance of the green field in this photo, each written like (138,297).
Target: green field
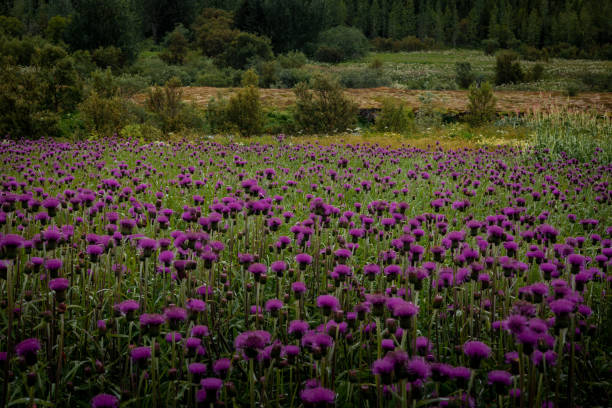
(435,70)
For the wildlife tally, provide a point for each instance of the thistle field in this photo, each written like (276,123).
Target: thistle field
(288,272)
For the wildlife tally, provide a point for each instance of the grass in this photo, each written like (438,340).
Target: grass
(436,69)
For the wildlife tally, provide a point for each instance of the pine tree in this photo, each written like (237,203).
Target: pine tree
(375,20)
(533,28)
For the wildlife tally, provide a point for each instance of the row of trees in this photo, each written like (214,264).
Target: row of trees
(296,24)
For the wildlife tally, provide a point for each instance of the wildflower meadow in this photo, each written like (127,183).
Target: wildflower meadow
(205,274)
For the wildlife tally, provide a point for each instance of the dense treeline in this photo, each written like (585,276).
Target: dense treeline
(569,28)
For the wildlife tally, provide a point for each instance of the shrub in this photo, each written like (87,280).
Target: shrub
(105,57)
(490,45)
(329,54)
(129,85)
(289,78)
(292,59)
(141,131)
(382,44)
(104,116)
(245,49)
(268,73)
(535,73)
(395,116)
(343,43)
(410,43)
(598,81)
(531,53)
(11,26)
(220,78)
(428,115)
(213,31)
(56,28)
(507,68)
(241,113)
(376,64)
(323,107)
(464,74)
(166,103)
(176,46)
(362,78)
(481,106)
(159,72)
(276,122)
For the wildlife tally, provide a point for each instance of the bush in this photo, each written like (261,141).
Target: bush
(531,53)
(268,73)
(141,131)
(289,78)
(376,64)
(166,103)
(598,81)
(242,113)
(490,45)
(428,115)
(159,72)
(245,49)
(362,78)
(481,106)
(395,116)
(382,44)
(464,74)
(176,46)
(219,78)
(341,43)
(293,59)
(108,57)
(535,73)
(213,31)
(104,117)
(408,44)
(276,122)
(323,107)
(507,68)
(332,55)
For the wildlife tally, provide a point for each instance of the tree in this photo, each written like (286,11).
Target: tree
(176,46)
(162,16)
(533,28)
(323,107)
(249,17)
(56,28)
(241,113)
(245,49)
(11,26)
(349,42)
(481,105)
(213,31)
(103,23)
(507,68)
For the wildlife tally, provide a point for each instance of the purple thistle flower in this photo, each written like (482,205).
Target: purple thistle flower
(273,306)
(222,366)
(128,306)
(140,354)
(251,342)
(500,380)
(476,351)
(297,328)
(28,349)
(59,284)
(317,397)
(104,401)
(328,303)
